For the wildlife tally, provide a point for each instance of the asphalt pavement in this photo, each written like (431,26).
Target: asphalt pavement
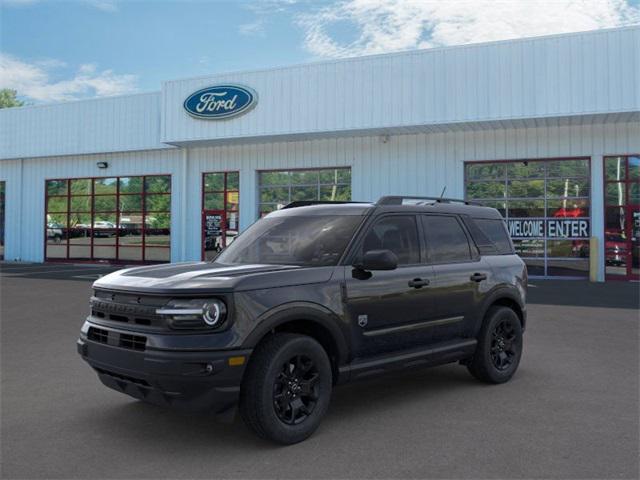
(571,411)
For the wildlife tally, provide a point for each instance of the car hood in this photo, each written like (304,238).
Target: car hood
(204,277)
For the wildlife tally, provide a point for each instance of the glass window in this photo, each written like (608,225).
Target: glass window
(615,168)
(634,168)
(278,188)
(496,232)
(568,168)
(486,171)
(131,185)
(446,240)
(525,208)
(81,186)
(106,214)
(543,200)
(615,193)
(525,188)
(292,240)
(398,234)
(105,186)
(80,204)
(487,189)
(214,182)
(569,208)
(56,187)
(526,169)
(158,184)
(568,188)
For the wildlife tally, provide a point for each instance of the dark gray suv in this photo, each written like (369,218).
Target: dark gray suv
(313,295)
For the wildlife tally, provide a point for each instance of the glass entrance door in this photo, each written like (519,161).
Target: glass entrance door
(220,213)
(622,217)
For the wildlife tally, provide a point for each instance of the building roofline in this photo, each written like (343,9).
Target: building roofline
(415,51)
(335,61)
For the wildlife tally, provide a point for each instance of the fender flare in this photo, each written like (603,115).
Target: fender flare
(495,295)
(295,311)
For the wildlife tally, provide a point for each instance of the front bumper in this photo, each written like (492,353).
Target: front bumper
(193,380)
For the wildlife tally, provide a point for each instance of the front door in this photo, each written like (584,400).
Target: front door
(389,310)
(622,217)
(460,275)
(220,213)
(213,233)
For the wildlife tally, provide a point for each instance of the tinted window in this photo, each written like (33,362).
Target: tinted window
(311,241)
(398,234)
(495,231)
(446,241)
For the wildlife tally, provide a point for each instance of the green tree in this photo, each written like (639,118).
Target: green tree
(8,98)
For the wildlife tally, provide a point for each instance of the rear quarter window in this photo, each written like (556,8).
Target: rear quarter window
(491,236)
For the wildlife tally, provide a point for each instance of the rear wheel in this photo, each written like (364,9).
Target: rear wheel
(499,346)
(287,388)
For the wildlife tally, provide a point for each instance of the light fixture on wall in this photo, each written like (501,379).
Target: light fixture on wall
(102,165)
(384,138)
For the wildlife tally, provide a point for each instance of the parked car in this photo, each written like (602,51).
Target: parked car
(103,228)
(54,232)
(309,297)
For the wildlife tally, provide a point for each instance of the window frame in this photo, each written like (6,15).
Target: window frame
(91,212)
(352,255)
(505,178)
(260,187)
(474,254)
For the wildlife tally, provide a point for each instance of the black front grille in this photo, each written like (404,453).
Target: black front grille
(133,342)
(128,308)
(122,340)
(98,335)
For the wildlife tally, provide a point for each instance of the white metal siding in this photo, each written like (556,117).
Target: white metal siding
(558,76)
(416,164)
(113,124)
(26,192)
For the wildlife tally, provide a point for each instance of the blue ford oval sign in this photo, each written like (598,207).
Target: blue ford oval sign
(220,101)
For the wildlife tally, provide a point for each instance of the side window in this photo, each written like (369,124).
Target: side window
(398,234)
(496,232)
(445,239)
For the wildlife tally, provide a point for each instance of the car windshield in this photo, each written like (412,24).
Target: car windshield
(292,240)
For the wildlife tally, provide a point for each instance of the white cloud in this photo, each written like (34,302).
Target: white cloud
(389,25)
(252,28)
(34,80)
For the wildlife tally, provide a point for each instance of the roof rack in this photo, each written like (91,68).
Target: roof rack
(399,199)
(306,203)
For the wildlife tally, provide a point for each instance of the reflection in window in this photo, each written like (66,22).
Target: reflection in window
(106,219)
(278,188)
(540,191)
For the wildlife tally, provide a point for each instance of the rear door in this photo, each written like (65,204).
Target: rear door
(388,310)
(461,276)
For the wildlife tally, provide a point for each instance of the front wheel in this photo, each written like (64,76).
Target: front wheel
(287,388)
(499,347)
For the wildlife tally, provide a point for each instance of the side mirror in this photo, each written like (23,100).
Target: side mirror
(378,260)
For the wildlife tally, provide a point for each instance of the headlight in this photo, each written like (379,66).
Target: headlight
(194,314)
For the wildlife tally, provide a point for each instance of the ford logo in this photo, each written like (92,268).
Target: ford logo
(220,101)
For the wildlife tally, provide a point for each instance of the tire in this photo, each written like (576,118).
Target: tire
(499,347)
(286,389)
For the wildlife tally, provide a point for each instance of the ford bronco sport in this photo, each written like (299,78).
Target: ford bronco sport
(313,295)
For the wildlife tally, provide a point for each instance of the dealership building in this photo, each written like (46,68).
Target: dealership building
(545,129)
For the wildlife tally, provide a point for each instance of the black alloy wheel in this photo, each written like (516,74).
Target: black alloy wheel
(295,390)
(503,339)
(499,348)
(286,388)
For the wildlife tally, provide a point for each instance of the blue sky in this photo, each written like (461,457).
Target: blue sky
(63,50)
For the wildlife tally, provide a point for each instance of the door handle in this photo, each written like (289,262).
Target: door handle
(418,283)
(478,277)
